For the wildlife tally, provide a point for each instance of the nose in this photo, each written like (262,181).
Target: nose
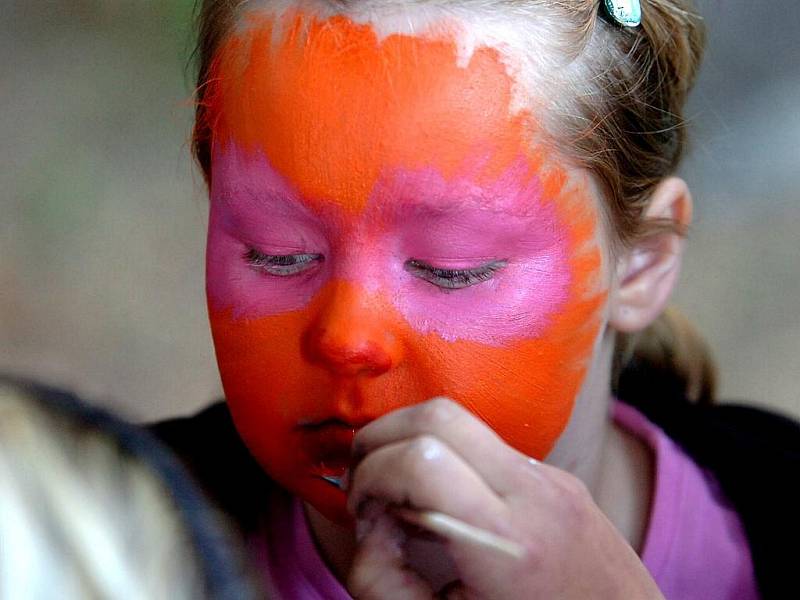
(352,333)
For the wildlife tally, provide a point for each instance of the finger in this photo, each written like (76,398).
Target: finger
(425,473)
(498,463)
(379,569)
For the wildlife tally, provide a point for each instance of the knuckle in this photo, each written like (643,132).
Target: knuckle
(415,461)
(437,412)
(574,497)
(422,449)
(577,489)
(421,486)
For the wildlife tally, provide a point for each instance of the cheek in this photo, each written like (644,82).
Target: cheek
(525,391)
(269,390)
(259,363)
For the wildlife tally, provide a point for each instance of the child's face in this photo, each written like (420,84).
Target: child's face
(383,230)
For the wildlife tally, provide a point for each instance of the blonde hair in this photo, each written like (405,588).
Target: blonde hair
(618,112)
(81,517)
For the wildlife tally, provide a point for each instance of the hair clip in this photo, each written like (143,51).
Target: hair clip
(627,13)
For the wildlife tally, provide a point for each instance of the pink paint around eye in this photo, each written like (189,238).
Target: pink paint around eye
(253,207)
(506,220)
(455,223)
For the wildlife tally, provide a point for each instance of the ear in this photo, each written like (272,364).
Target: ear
(647,272)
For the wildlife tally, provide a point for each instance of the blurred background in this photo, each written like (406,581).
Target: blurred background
(103,213)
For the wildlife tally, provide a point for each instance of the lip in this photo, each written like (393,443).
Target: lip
(328,444)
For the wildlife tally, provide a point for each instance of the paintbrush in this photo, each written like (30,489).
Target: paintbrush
(449,527)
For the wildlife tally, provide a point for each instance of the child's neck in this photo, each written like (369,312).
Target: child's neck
(617,467)
(625,482)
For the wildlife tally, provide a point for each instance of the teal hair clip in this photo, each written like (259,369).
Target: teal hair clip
(627,13)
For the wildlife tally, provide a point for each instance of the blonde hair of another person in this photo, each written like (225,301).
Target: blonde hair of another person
(83,517)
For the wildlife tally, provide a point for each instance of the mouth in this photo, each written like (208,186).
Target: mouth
(328,446)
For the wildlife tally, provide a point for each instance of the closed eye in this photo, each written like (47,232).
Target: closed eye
(454,279)
(281,265)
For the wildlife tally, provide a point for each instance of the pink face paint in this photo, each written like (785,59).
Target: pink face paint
(412,215)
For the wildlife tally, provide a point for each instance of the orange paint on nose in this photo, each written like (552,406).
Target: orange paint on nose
(293,97)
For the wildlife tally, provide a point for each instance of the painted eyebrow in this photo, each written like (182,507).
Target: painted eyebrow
(270,202)
(449,198)
(452,209)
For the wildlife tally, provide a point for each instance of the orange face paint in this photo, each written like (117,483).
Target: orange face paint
(361,160)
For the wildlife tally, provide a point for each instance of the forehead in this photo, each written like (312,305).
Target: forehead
(333,106)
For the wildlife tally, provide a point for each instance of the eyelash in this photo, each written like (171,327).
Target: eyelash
(281,265)
(285,265)
(454,279)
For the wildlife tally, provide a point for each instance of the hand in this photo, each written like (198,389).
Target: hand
(438,456)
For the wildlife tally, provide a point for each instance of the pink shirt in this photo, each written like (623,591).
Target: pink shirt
(695,546)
